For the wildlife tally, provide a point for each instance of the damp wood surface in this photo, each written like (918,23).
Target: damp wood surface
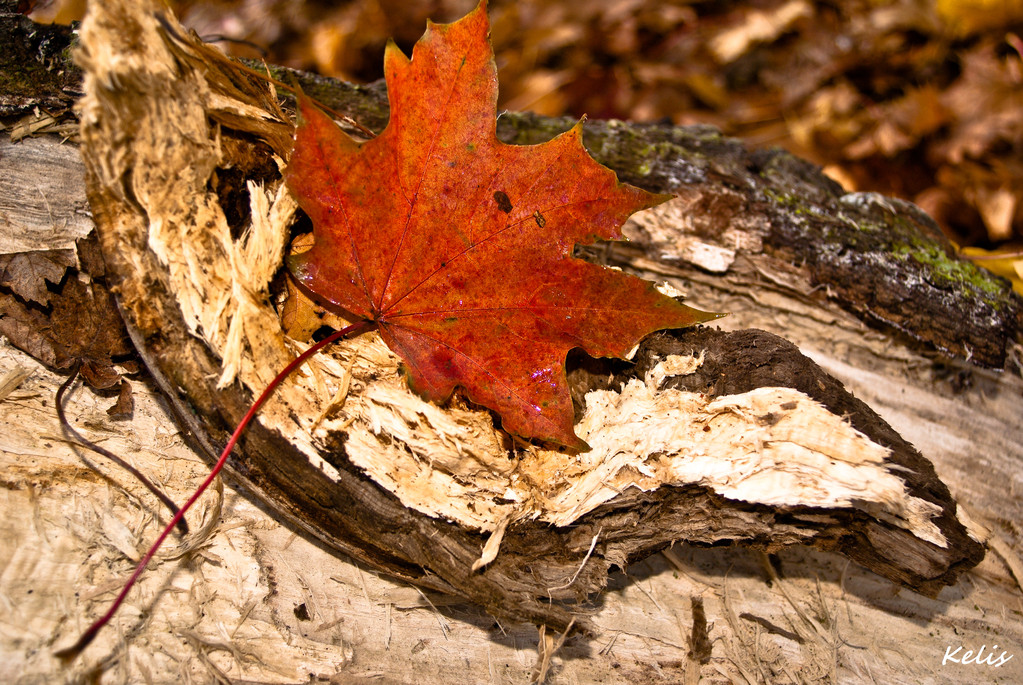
(257,603)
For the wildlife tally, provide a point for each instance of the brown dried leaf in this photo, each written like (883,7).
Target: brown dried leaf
(26,273)
(125,404)
(81,324)
(86,326)
(25,328)
(987,103)
(757,27)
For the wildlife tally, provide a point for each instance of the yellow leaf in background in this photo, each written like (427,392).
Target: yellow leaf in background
(996,207)
(966,17)
(1008,264)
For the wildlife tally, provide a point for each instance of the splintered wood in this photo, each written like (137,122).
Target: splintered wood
(771,445)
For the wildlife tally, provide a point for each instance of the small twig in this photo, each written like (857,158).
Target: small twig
(606,649)
(593,544)
(11,380)
(82,441)
(440,618)
(1015,254)
(548,648)
(221,38)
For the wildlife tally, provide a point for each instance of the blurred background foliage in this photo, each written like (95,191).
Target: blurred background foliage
(921,99)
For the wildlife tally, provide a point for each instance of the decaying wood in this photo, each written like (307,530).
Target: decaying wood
(186,326)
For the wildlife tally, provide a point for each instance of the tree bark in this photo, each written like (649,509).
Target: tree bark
(759,227)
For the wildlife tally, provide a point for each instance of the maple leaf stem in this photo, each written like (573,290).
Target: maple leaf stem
(87,637)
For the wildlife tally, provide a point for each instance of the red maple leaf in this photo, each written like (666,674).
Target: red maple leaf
(459,246)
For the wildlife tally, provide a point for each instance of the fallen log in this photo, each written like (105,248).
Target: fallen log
(330,469)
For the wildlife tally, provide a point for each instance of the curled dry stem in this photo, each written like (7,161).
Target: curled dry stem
(82,441)
(87,637)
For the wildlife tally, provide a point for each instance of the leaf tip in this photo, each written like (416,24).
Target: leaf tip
(706,317)
(660,198)
(301,268)
(481,9)
(394,60)
(576,443)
